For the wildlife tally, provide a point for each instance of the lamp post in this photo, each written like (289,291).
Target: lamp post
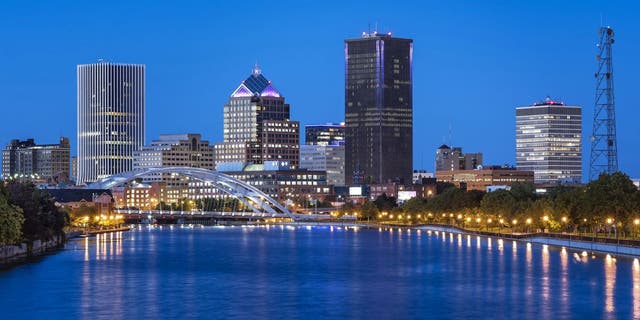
(636,222)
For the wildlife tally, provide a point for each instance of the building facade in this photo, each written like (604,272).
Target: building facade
(279,181)
(111,118)
(448,158)
(549,141)
(378,109)
(28,160)
(174,150)
(324,134)
(329,158)
(480,179)
(257,125)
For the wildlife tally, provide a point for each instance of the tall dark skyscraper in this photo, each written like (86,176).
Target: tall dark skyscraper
(378,109)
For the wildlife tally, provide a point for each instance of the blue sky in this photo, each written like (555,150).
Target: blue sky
(474,62)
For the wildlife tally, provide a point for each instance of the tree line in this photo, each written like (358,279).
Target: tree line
(28,214)
(610,202)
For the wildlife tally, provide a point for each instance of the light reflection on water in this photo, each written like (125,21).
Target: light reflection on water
(337,271)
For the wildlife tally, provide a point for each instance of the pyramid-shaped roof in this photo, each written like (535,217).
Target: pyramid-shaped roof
(256,84)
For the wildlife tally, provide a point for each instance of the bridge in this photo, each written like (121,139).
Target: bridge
(259,203)
(240,215)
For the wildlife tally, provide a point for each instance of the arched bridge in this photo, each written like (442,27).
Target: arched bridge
(249,195)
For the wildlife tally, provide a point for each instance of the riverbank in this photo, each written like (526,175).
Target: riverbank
(12,255)
(630,248)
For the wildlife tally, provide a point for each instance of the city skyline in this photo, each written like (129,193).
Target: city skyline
(450,61)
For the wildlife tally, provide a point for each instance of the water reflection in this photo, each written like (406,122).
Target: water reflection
(545,272)
(186,272)
(636,288)
(610,283)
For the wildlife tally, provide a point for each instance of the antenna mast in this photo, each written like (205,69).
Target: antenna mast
(604,149)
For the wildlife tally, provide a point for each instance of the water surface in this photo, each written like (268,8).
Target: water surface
(317,272)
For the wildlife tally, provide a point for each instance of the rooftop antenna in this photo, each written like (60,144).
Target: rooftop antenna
(450,139)
(256,68)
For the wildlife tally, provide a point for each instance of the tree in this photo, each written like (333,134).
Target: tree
(523,191)
(385,203)
(499,203)
(11,220)
(42,219)
(347,209)
(369,210)
(415,205)
(611,197)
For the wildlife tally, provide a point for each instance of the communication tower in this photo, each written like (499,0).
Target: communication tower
(604,149)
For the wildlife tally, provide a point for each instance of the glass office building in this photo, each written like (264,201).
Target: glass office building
(378,109)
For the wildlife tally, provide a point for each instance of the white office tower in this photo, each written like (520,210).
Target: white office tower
(111,118)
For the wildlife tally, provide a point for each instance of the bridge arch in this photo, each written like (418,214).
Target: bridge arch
(249,195)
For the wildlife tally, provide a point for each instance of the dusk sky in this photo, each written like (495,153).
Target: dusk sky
(474,62)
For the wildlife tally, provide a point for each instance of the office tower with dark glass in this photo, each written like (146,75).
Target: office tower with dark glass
(549,142)
(378,109)
(111,118)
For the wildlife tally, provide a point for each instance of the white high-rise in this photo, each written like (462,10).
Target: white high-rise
(111,118)
(549,141)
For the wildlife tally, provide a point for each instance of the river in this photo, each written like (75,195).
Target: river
(295,272)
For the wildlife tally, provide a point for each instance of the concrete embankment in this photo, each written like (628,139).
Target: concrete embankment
(18,253)
(12,254)
(584,243)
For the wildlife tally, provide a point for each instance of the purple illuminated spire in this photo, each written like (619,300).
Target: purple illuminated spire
(270,91)
(242,91)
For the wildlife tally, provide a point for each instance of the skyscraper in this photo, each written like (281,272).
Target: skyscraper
(111,118)
(378,109)
(549,141)
(257,127)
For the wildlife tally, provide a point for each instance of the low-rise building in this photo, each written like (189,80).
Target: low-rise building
(402,192)
(484,177)
(42,163)
(174,150)
(74,198)
(448,158)
(278,180)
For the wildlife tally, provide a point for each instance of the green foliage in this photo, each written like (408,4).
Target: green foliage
(369,210)
(611,196)
(42,219)
(415,205)
(11,220)
(499,203)
(453,200)
(385,203)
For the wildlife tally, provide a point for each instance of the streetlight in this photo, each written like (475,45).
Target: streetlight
(636,222)
(514,222)
(528,223)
